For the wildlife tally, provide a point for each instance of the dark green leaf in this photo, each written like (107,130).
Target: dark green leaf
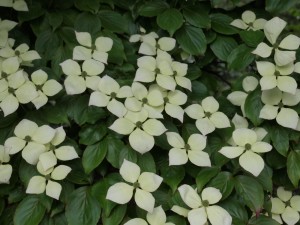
(55,19)
(172,176)
(262,220)
(205,175)
(221,24)
(176,219)
(82,208)
(280,139)
(47,43)
(197,15)
(265,178)
(113,151)
(146,162)
(252,107)
(127,153)
(30,211)
(223,46)
(170,20)
(116,215)
(93,155)
(293,167)
(222,4)
(237,211)
(150,9)
(91,134)
(113,21)
(275,160)
(34,12)
(224,182)
(240,57)
(87,22)
(88,5)
(250,191)
(277,6)
(252,38)
(26,171)
(192,40)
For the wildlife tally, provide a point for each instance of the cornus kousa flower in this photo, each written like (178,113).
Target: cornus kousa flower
(203,209)
(106,94)
(49,158)
(88,50)
(5,169)
(45,88)
(276,76)
(140,129)
(23,53)
(285,207)
(207,116)
(143,36)
(149,46)
(274,108)
(151,100)
(40,184)
(249,22)
(272,30)
(80,78)
(5,27)
(247,147)
(238,98)
(31,139)
(157,217)
(142,183)
(18,5)
(192,150)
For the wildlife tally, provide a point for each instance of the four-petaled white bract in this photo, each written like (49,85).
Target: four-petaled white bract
(249,22)
(5,169)
(247,149)
(192,150)
(285,207)
(142,183)
(203,209)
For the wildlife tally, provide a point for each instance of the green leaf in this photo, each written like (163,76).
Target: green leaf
(113,151)
(192,40)
(113,21)
(275,160)
(252,38)
(250,191)
(222,4)
(170,20)
(26,171)
(205,175)
(172,175)
(34,12)
(55,19)
(224,182)
(223,46)
(262,220)
(116,215)
(237,211)
(116,54)
(87,22)
(30,211)
(91,134)
(127,153)
(221,24)
(240,57)
(82,208)
(93,155)
(146,162)
(88,5)
(280,139)
(265,178)
(277,6)
(176,219)
(252,107)
(47,43)
(150,9)
(197,15)
(293,167)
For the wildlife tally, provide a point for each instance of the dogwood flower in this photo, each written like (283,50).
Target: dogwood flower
(157,217)
(18,5)
(140,129)
(87,50)
(80,78)
(274,108)
(142,183)
(5,169)
(45,87)
(106,93)
(207,116)
(203,209)
(276,76)
(142,98)
(5,26)
(192,150)
(31,139)
(249,22)
(247,147)
(40,184)
(143,36)
(149,46)
(272,30)
(285,207)
(238,98)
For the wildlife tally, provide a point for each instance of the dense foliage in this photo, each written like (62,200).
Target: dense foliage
(155,112)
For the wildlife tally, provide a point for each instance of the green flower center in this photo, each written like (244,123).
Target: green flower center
(205,203)
(187,147)
(39,87)
(84,74)
(17,53)
(52,147)
(27,138)
(207,114)
(247,146)
(94,47)
(250,24)
(277,73)
(4,75)
(144,100)
(113,95)
(280,105)
(136,185)
(11,90)
(157,70)
(166,99)
(276,45)
(139,124)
